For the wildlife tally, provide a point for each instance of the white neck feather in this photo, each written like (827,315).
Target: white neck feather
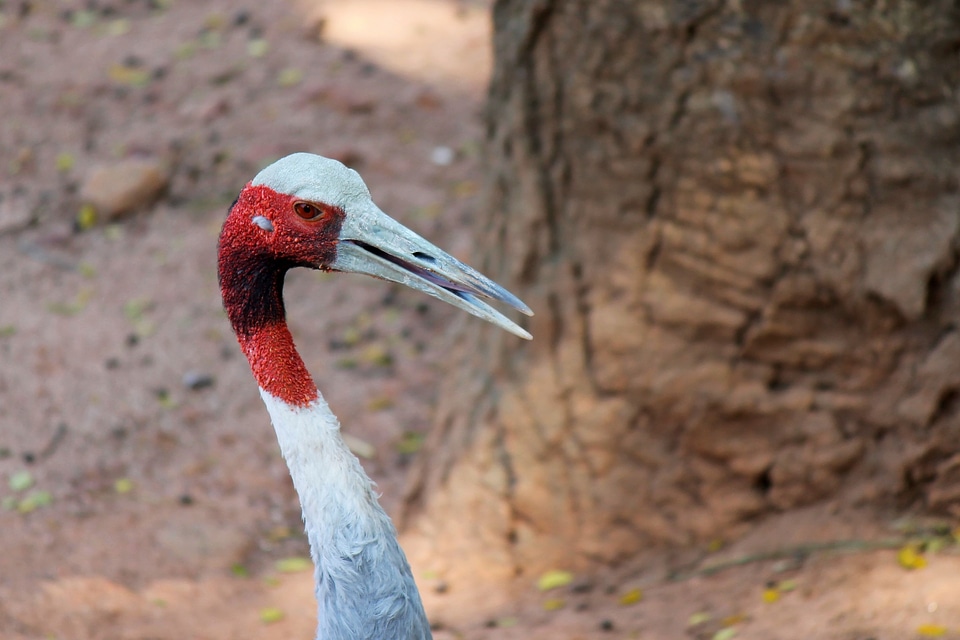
(364,585)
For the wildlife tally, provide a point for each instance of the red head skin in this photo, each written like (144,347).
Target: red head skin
(252,263)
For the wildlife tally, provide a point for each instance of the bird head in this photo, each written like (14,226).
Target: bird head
(309,211)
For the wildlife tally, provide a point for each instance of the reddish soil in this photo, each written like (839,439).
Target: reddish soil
(170,506)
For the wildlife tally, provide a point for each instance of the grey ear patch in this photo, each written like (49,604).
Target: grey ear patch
(263,223)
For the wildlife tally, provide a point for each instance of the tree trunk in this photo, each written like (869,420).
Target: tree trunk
(737,222)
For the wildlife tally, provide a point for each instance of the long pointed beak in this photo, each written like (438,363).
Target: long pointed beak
(373,243)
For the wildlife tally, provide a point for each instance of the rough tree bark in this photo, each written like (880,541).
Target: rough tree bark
(738,223)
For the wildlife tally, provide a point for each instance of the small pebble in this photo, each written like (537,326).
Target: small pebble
(606,625)
(581,586)
(442,156)
(195,380)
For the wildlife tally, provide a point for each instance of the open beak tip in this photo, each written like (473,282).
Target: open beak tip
(516,303)
(519,332)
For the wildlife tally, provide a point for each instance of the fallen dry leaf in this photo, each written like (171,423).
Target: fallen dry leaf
(554,580)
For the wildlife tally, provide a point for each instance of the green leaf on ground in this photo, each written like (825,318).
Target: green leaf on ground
(118,27)
(83,19)
(257,48)
(293,565)
(20,481)
(726,633)
(410,443)
(289,77)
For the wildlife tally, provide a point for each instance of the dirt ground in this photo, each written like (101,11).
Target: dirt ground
(142,492)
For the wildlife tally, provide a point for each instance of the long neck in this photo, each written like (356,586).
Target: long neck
(364,586)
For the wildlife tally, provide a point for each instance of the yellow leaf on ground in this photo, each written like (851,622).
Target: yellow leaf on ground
(379,403)
(215,21)
(554,604)
(698,618)
(132,76)
(34,501)
(271,614)
(770,595)
(786,585)
(931,630)
(123,485)
(65,162)
(465,189)
(554,580)
(631,597)
(86,217)
(377,355)
(715,545)
(736,618)
(279,533)
(910,557)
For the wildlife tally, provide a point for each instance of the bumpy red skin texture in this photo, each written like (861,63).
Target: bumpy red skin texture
(252,263)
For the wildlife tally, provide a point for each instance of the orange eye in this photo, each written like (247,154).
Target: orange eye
(307,211)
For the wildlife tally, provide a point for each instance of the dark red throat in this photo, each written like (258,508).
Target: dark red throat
(251,272)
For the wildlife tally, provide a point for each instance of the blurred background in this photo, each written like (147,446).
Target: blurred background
(737,222)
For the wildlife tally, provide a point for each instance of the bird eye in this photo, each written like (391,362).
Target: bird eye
(307,211)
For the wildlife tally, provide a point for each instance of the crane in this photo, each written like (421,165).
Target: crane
(305,210)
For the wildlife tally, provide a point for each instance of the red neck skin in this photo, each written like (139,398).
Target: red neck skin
(251,282)
(277,366)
